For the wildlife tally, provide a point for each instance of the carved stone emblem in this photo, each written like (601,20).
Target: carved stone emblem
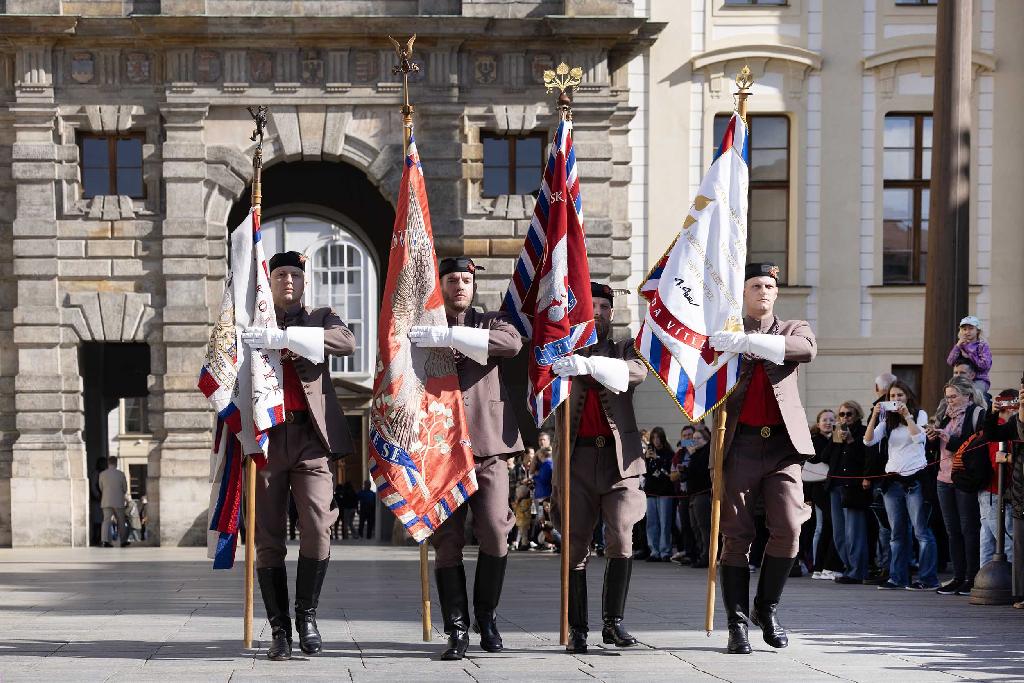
(137,67)
(538,65)
(261,67)
(485,69)
(207,66)
(83,67)
(312,68)
(365,67)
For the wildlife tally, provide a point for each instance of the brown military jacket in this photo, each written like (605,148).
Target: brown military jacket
(801,347)
(323,404)
(618,408)
(492,422)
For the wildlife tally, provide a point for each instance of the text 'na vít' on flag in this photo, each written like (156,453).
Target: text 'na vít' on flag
(421,458)
(696,288)
(243,385)
(548,298)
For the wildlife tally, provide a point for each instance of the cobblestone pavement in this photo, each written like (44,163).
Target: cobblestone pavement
(162,614)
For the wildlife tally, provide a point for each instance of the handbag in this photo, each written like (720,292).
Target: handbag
(972,469)
(814,472)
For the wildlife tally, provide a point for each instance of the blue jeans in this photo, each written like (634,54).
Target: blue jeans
(989,504)
(819,526)
(962,517)
(884,545)
(850,535)
(901,504)
(659,526)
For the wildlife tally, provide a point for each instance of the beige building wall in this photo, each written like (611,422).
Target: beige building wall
(835,69)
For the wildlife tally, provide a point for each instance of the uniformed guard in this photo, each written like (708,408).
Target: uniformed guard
(605,467)
(480,341)
(766,441)
(300,455)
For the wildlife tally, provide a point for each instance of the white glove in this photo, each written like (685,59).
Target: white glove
(431,336)
(471,341)
(264,338)
(613,373)
(771,347)
(572,366)
(307,342)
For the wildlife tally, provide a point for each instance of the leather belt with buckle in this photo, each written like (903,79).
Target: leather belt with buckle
(765,432)
(296,416)
(595,441)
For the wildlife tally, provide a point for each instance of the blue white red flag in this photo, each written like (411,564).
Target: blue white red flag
(421,458)
(696,288)
(243,385)
(548,298)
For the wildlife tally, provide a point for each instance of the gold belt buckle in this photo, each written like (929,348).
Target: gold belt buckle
(600,441)
(766,432)
(289,416)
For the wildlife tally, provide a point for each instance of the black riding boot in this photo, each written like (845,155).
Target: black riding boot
(490,575)
(274,587)
(736,596)
(774,572)
(451,593)
(617,571)
(308,582)
(577,617)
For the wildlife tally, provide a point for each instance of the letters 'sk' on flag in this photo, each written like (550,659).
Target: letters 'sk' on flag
(548,298)
(696,288)
(420,454)
(243,386)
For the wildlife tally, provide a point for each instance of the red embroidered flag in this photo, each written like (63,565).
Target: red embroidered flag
(420,456)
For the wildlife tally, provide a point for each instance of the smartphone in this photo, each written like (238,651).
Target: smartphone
(890,406)
(685,443)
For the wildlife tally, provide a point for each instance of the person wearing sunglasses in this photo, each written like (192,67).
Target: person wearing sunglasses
(848,497)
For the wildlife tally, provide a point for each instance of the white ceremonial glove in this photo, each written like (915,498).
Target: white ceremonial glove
(307,342)
(431,336)
(613,373)
(771,347)
(264,338)
(472,341)
(572,366)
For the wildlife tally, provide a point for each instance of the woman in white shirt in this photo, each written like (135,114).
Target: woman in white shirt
(900,422)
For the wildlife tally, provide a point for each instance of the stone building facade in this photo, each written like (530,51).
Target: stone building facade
(99,291)
(851,83)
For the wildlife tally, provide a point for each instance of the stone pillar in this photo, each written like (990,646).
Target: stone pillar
(49,491)
(8,300)
(181,478)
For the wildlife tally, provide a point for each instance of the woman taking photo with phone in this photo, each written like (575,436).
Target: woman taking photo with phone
(900,423)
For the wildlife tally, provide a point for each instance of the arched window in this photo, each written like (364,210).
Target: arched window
(340,273)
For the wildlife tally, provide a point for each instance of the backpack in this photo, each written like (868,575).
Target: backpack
(972,469)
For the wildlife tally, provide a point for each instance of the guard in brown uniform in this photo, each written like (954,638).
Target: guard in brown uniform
(605,467)
(766,441)
(300,455)
(480,340)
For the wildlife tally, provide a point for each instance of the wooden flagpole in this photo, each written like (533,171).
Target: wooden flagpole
(260,119)
(404,67)
(564,79)
(743,81)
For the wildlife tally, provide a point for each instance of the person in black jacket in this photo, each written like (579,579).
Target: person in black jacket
(848,498)
(698,484)
(660,501)
(1011,433)
(826,560)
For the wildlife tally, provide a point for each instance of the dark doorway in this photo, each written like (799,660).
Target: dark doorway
(110,371)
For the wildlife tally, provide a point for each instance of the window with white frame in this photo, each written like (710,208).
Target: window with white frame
(340,273)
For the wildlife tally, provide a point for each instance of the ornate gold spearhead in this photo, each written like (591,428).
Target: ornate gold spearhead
(744,79)
(563,78)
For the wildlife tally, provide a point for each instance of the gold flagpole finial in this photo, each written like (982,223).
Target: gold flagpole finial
(567,80)
(405,67)
(744,81)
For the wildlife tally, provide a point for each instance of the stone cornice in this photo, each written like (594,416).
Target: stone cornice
(787,53)
(984,61)
(272,30)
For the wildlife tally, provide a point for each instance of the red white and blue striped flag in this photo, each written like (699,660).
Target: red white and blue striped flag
(696,287)
(548,298)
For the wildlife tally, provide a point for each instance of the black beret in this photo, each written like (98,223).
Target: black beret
(288,258)
(457,264)
(762,270)
(602,291)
